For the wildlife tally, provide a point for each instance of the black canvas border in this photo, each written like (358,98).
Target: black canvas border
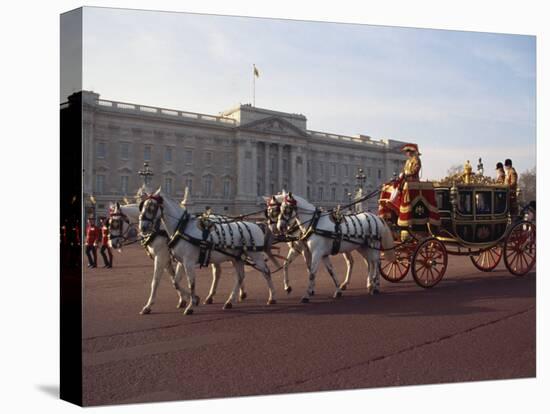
(70,159)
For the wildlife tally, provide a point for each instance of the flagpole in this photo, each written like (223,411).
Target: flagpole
(253,85)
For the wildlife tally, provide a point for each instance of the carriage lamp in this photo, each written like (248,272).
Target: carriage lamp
(360,177)
(146,173)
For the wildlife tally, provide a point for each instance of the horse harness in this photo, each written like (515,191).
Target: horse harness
(337,235)
(226,240)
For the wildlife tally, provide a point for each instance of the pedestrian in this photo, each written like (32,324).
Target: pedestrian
(107,258)
(92,236)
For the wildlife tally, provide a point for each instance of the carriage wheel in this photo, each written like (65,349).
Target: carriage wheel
(429,263)
(520,248)
(488,259)
(397,270)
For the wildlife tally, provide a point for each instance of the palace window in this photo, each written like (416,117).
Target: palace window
(99,184)
(271,164)
(147,153)
(285,165)
(308,167)
(320,194)
(207,186)
(332,169)
(168,154)
(333,194)
(208,157)
(101,150)
(167,185)
(188,157)
(124,150)
(345,169)
(308,191)
(124,184)
(226,188)
(379,174)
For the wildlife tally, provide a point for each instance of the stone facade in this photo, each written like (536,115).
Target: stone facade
(229,161)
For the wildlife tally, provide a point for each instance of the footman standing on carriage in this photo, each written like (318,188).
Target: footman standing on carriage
(501,175)
(512,181)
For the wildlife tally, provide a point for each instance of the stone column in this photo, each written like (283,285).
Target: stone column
(280,167)
(294,179)
(266,168)
(254,168)
(241,168)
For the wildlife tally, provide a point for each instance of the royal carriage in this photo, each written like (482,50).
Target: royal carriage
(433,220)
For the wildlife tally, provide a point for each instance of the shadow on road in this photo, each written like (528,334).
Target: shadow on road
(467,295)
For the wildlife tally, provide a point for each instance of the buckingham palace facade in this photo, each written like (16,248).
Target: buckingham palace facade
(228,161)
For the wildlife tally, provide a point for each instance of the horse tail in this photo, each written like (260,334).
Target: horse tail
(387,243)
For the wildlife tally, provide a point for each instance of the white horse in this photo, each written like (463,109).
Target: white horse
(232,241)
(364,232)
(296,247)
(156,246)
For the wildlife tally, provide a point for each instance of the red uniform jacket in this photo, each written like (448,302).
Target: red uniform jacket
(92,235)
(105,236)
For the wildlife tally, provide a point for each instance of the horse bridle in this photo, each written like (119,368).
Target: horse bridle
(288,211)
(272,211)
(143,214)
(115,218)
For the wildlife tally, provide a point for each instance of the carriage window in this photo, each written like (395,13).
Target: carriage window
(465,202)
(500,202)
(442,198)
(483,202)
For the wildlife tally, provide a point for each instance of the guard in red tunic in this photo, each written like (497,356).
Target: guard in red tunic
(92,239)
(107,258)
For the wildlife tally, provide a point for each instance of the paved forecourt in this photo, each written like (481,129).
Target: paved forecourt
(472,326)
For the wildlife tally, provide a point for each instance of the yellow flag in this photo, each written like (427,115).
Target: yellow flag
(256,71)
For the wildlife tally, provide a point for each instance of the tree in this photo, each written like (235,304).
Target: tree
(455,169)
(528,184)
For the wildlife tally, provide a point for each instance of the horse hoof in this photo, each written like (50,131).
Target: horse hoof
(375,292)
(343,287)
(243,296)
(271,302)
(305,300)
(288,289)
(188,312)
(227,305)
(338,294)
(145,311)
(209,301)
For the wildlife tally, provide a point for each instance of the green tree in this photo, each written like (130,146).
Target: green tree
(528,184)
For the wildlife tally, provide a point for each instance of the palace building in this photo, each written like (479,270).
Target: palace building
(228,161)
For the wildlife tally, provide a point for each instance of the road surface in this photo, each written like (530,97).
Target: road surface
(472,326)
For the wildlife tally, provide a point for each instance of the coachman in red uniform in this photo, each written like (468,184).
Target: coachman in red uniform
(107,258)
(92,239)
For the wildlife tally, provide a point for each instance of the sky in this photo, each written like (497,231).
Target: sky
(459,95)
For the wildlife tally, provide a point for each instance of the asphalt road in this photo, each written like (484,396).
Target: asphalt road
(472,326)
